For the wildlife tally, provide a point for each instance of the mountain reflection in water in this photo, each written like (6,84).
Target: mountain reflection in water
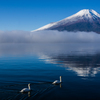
(82,58)
(87,65)
(84,61)
(41,64)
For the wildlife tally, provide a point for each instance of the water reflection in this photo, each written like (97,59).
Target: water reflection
(28,93)
(84,59)
(60,85)
(83,65)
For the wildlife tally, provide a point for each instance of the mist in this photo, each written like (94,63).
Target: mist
(48,36)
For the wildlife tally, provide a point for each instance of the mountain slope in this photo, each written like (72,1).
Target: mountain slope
(85,20)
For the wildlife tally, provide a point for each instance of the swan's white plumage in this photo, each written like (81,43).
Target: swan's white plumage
(57,81)
(26,89)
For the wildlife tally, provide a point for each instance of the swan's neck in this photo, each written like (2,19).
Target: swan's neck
(60,79)
(29,86)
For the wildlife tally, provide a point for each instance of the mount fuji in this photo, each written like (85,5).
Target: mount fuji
(85,20)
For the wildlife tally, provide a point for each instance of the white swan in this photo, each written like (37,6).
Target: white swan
(57,81)
(26,89)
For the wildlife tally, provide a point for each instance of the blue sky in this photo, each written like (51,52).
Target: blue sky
(29,15)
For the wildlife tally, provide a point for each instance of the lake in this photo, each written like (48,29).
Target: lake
(41,63)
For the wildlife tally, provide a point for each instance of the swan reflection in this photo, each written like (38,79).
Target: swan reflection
(60,85)
(29,94)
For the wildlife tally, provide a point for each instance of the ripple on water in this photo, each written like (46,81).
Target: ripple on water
(11,92)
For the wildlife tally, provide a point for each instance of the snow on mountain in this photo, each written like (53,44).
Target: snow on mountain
(85,17)
(86,13)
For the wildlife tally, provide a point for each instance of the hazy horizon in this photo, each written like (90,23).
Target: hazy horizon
(48,36)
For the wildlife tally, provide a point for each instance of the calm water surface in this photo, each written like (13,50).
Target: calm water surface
(41,64)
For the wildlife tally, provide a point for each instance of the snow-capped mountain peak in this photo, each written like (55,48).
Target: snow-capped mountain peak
(85,15)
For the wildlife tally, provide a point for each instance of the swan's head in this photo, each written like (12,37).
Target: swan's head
(29,84)
(60,78)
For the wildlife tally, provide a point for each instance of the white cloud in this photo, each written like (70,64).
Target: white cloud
(48,36)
